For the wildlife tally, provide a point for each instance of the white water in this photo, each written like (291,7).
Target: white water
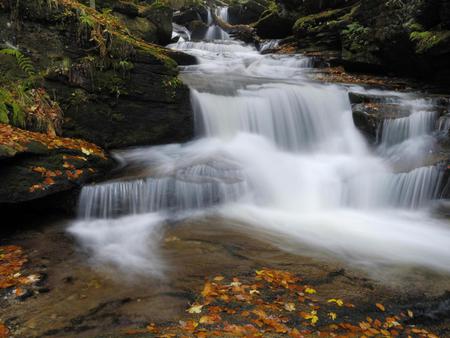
(280,156)
(214,32)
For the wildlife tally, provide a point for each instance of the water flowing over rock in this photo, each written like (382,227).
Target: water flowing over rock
(280,155)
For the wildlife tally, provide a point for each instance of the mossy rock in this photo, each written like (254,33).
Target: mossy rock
(274,26)
(431,42)
(161,16)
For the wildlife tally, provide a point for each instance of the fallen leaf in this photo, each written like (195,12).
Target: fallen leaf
(332,315)
(380,307)
(339,302)
(289,307)
(195,308)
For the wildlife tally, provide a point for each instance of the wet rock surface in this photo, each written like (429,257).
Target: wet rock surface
(83,300)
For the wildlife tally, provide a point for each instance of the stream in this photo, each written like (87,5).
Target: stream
(278,176)
(277,155)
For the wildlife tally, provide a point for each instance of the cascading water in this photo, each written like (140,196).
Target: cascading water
(214,32)
(279,155)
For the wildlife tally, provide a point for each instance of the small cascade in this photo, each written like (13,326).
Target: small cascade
(414,189)
(291,116)
(268,45)
(195,187)
(443,125)
(230,47)
(180,31)
(418,124)
(406,142)
(214,32)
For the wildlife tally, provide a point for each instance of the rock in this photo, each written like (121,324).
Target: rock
(246,12)
(113,89)
(133,92)
(140,27)
(195,13)
(322,30)
(408,38)
(34,165)
(198,29)
(366,122)
(161,17)
(126,8)
(308,7)
(274,26)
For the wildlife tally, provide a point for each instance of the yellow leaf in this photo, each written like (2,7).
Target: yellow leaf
(410,313)
(332,315)
(289,307)
(339,302)
(86,151)
(195,308)
(380,307)
(310,291)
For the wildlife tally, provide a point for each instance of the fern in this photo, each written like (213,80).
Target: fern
(24,62)
(87,20)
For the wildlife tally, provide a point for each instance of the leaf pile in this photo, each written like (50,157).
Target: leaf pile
(15,140)
(12,261)
(339,75)
(274,303)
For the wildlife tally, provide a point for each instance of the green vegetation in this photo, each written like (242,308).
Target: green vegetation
(426,41)
(23,61)
(11,111)
(315,22)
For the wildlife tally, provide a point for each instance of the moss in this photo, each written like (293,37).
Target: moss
(311,23)
(11,111)
(428,40)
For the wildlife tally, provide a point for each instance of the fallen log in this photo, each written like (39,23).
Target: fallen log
(244,33)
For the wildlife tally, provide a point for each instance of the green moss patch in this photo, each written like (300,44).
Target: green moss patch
(429,40)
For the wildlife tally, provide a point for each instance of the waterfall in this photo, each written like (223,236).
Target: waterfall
(419,123)
(214,32)
(293,117)
(444,124)
(181,31)
(196,187)
(280,156)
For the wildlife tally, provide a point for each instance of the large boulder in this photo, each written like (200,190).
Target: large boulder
(93,82)
(34,165)
(187,16)
(410,38)
(274,26)
(104,76)
(308,7)
(322,30)
(161,16)
(246,12)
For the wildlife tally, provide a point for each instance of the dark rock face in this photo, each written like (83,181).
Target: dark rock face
(247,12)
(161,17)
(410,38)
(35,165)
(307,7)
(114,89)
(185,16)
(274,26)
(136,99)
